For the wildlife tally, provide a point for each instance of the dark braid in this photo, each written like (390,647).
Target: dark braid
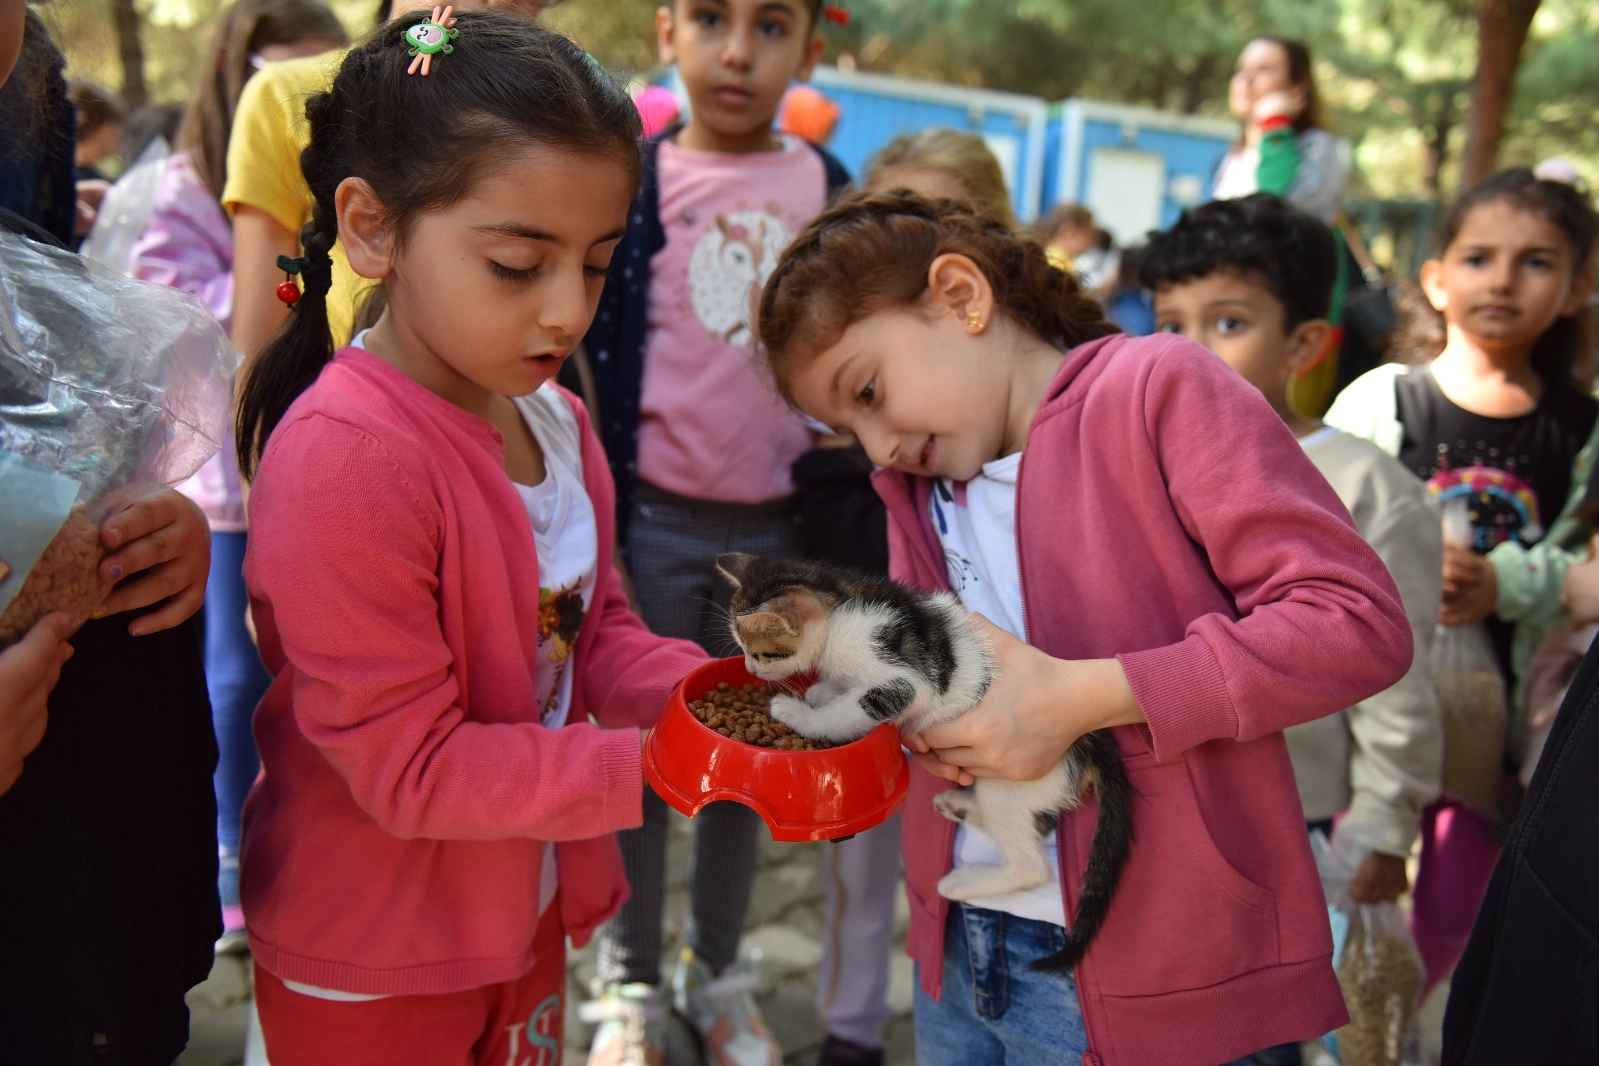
(421,143)
(870,253)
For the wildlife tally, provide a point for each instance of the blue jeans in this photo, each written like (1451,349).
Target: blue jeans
(995,1008)
(236,681)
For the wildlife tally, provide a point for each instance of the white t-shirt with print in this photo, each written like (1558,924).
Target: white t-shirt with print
(976,526)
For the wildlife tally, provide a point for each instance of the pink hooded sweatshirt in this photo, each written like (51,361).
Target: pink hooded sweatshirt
(393,842)
(1165,516)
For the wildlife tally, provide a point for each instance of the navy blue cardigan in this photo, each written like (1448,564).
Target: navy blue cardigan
(615,342)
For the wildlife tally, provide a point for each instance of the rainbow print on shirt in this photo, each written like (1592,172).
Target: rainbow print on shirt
(1503,507)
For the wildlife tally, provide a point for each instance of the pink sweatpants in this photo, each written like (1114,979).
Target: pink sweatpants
(1458,852)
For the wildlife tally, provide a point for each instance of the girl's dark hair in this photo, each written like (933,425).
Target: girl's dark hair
(871,253)
(29,104)
(1302,73)
(97,106)
(422,143)
(1560,355)
(244,29)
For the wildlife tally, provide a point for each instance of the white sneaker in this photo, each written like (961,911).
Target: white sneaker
(632,1026)
(723,1010)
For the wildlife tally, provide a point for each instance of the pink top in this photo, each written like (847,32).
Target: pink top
(392,844)
(711,425)
(1166,516)
(189,246)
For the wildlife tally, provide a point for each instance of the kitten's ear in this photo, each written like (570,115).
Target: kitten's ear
(735,566)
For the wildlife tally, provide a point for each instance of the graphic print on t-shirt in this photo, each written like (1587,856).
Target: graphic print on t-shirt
(561,614)
(1502,506)
(732,259)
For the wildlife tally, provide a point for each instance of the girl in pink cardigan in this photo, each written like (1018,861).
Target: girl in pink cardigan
(430,565)
(1154,555)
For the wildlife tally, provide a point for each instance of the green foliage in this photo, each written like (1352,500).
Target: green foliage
(1395,74)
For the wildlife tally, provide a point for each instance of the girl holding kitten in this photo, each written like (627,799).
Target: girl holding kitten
(1144,573)
(430,565)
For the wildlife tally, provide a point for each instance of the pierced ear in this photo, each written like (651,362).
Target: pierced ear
(1307,343)
(735,566)
(1432,285)
(363,229)
(957,286)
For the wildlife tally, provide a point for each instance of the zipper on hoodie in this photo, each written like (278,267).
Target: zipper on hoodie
(1089,1058)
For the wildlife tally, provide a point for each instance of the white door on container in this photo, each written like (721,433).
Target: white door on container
(1007,152)
(1125,192)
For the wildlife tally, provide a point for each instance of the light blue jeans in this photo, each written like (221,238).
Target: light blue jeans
(996,1009)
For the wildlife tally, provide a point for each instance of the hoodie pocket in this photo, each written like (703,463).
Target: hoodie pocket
(1183,917)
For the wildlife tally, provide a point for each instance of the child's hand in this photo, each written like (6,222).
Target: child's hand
(1380,879)
(1580,592)
(164,538)
(29,669)
(1036,708)
(1471,588)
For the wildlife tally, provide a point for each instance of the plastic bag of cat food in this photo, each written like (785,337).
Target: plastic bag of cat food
(1471,695)
(1379,968)
(108,388)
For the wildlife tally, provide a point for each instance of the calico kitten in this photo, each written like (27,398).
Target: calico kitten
(882,652)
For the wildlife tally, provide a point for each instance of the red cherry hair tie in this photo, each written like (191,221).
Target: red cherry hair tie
(836,13)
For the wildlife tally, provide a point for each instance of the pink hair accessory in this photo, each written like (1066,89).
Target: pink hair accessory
(430,37)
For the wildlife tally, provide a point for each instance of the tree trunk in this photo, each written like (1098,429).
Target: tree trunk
(1438,143)
(1501,31)
(1196,83)
(131,49)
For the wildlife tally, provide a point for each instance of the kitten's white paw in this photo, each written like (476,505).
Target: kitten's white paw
(794,713)
(979,882)
(958,805)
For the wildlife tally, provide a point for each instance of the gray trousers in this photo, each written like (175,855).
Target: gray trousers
(860,881)
(672,547)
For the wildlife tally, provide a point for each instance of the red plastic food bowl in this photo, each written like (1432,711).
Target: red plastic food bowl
(802,795)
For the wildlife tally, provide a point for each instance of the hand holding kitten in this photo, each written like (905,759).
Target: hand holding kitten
(1037,707)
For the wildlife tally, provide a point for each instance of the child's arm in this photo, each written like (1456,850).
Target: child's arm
(626,675)
(344,558)
(1529,580)
(1398,738)
(1319,623)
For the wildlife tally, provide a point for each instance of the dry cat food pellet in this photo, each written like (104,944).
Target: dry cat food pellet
(1381,979)
(741,713)
(66,578)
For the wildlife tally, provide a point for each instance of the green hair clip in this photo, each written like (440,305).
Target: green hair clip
(430,37)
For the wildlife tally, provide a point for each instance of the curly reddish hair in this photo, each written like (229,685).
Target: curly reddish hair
(870,253)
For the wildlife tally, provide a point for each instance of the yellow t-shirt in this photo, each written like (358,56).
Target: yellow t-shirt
(269,133)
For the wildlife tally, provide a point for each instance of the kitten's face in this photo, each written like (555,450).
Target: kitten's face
(780,625)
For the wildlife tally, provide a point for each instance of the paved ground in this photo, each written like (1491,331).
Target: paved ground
(786,926)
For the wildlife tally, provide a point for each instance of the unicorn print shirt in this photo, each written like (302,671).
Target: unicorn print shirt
(712,427)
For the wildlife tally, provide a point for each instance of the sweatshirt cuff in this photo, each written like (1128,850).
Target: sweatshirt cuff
(1183,694)
(622,769)
(1379,826)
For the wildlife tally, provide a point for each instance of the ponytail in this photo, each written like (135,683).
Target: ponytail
(296,354)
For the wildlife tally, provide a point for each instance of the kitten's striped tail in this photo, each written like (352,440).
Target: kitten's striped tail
(1107,854)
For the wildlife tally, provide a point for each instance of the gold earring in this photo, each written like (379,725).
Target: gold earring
(974,321)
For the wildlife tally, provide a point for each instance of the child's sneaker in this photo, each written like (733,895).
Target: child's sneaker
(723,1011)
(233,940)
(632,1026)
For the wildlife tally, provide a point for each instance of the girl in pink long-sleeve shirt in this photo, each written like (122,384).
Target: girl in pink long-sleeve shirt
(430,564)
(1154,556)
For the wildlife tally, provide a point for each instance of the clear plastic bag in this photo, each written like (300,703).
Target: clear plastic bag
(1379,968)
(128,208)
(108,387)
(1471,696)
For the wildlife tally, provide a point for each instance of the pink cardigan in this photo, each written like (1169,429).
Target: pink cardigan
(392,843)
(1165,516)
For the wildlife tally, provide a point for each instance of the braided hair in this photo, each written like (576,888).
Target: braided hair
(422,143)
(872,253)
